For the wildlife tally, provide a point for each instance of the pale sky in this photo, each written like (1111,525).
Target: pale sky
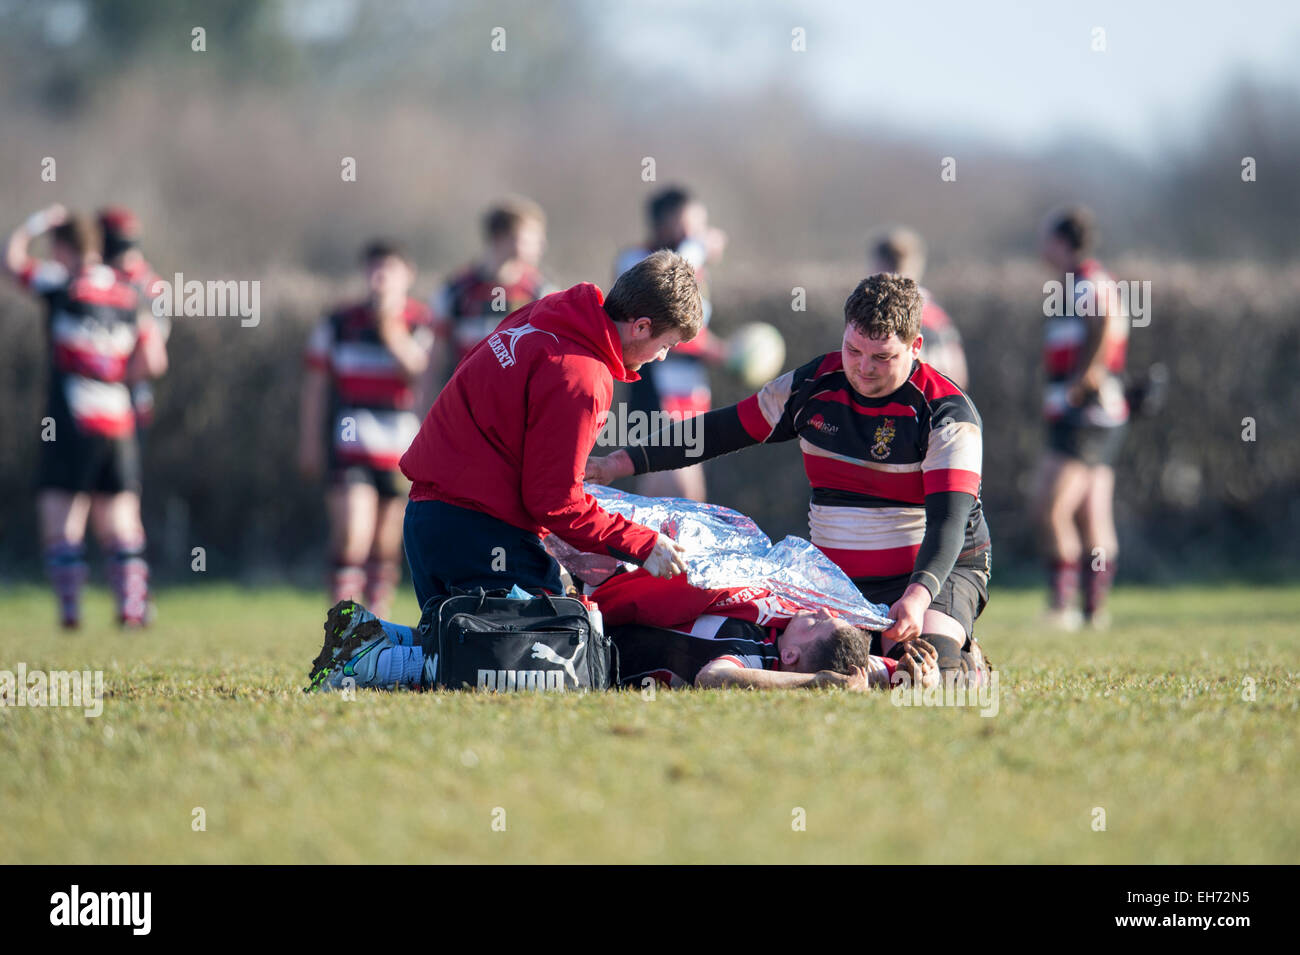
(1011,72)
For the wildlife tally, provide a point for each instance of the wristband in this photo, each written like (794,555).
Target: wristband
(37,223)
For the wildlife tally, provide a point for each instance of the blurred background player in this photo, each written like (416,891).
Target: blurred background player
(475,300)
(120,234)
(366,385)
(1086,412)
(902,251)
(100,338)
(679,385)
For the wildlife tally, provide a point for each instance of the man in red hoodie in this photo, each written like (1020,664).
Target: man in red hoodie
(498,463)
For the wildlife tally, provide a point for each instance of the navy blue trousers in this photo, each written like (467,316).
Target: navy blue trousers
(449,546)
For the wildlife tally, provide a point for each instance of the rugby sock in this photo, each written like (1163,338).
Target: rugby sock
(401,636)
(382,578)
(401,665)
(128,575)
(1064,576)
(1097,588)
(66,566)
(947,648)
(347,583)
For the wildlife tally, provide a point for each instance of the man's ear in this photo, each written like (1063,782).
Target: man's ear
(789,657)
(916,345)
(642,328)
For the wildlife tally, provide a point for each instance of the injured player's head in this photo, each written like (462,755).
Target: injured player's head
(815,640)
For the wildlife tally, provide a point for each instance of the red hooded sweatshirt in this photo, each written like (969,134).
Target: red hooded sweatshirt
(510,433)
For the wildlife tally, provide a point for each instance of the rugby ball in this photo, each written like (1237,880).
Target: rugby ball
(755,353)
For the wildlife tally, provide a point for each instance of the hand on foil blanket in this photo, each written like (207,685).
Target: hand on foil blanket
(724,548)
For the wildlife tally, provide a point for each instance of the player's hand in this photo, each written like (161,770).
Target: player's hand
(394,334)
(920,661)
(908,613)
(667,559)
(608,469)
(857,681)
(1083,387)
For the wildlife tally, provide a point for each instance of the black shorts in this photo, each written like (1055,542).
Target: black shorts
(963,596)
(1090,444)
(387,483)
(89,463)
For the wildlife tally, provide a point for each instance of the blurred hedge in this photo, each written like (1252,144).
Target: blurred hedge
(1193,498)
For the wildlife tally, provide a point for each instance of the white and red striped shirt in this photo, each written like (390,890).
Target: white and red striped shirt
(872,461)
(374,419)
(94,327)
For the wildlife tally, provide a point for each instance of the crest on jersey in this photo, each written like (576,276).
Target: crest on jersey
(506,353)
(884,435)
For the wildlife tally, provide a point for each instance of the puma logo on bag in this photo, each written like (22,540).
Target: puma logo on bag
(519,681)
(542,652)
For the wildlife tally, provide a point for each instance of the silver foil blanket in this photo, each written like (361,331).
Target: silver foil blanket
(724,548)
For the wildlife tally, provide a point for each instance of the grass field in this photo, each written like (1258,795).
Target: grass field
(1147,722)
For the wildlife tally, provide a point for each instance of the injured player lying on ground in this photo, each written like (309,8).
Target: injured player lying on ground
(808,650)
(747,614)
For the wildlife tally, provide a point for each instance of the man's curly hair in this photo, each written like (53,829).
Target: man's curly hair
(885,304)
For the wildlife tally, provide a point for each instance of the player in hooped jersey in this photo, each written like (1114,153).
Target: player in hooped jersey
(679,385)
(100,338)
(1087,413)
(367,382)
(903,251)
(893,451)
(476,299)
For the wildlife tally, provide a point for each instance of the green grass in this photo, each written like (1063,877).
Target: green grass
(1147,722)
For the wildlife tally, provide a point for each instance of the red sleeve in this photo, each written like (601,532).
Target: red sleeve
(559,434)
(639,598)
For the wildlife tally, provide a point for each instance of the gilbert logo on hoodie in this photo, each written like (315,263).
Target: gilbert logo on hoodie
(506,353)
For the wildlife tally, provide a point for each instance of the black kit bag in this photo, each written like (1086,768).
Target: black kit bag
(484,640)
